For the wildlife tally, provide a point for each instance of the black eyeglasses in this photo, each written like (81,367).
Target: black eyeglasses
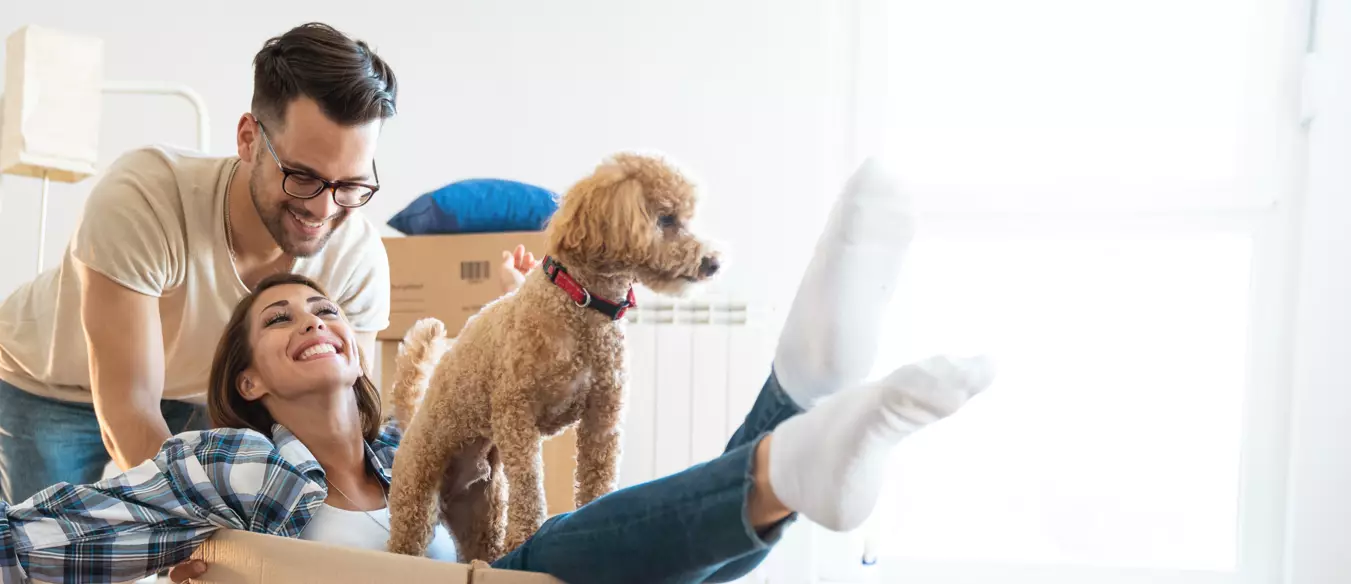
(304,185)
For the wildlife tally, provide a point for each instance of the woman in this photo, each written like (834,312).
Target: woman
(299,451)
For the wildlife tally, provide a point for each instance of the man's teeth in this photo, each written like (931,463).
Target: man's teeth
(320,349)
(307,223)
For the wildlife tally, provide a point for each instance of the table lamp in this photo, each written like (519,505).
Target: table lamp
(49,122)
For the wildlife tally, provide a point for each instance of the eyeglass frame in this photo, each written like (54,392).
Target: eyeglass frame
(331,186)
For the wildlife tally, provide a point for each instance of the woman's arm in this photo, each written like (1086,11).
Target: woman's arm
(154,515)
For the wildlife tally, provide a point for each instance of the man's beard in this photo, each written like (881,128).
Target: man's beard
(274,218)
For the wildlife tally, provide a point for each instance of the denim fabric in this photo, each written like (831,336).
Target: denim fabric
(688,527)
(45,441)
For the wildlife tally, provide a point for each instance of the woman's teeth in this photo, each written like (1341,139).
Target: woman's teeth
(320,349)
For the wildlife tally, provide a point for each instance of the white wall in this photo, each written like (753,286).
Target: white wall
(752,95)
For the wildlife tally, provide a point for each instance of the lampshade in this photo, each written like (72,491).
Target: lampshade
(52,104)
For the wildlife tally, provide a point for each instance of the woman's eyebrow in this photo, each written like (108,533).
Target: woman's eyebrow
(277,303)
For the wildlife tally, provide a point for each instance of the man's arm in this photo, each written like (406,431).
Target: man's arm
(126,366)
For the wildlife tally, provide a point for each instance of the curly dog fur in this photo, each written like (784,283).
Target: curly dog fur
(422,347)
(534,362)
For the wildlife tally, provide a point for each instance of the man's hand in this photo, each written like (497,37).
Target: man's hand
(515,265)
(126,366)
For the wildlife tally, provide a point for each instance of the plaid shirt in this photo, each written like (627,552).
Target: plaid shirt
(153,516)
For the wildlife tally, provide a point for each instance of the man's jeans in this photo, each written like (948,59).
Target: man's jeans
(691,526)
(45,441)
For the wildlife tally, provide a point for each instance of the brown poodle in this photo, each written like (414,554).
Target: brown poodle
(543,358)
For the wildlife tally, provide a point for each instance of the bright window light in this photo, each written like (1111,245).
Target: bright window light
(1066,103)
(1112,434)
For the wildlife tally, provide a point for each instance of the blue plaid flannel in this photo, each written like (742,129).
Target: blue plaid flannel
(153,516)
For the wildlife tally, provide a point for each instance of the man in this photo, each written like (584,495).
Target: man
(109,353)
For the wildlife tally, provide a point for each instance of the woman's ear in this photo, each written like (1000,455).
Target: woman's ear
(248,388)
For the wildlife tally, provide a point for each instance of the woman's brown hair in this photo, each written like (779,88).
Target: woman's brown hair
(229,409)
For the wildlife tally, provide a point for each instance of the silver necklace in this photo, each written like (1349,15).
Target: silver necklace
(367,513)
(229,239)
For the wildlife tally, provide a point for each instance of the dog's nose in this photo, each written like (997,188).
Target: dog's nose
(708,266)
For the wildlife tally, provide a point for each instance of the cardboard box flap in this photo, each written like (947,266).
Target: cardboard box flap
(491,576)
(241,557)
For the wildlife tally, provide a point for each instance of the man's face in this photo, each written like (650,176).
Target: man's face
(310,144)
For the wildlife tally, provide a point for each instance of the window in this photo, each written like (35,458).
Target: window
(1113,432)
(1103,189)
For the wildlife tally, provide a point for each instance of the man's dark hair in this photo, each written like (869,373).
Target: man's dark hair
(349,82)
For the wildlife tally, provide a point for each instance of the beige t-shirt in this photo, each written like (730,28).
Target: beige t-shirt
(155,223)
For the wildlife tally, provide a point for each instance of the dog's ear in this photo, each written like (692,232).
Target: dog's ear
(629,225)
(603,218)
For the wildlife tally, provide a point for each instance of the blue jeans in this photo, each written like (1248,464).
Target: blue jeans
(45,441)
(691,526)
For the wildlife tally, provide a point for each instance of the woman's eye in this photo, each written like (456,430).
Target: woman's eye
(276,318)
(666,221)
(327,311)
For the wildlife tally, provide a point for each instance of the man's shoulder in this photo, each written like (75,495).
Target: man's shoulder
(166,157)
(165,169)
(354,248)
(358,233)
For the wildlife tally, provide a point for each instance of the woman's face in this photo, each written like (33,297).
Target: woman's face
(301,343)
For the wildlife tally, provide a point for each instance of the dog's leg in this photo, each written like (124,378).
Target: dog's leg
(418,471)
(598,440)
(472,501)
(520,444)
(496,525)
(476,518)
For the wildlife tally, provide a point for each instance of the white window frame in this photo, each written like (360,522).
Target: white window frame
(1261,549)
(1318,523)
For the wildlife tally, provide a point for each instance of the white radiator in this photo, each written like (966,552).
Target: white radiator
(695,368)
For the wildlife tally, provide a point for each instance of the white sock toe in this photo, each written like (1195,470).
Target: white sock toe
(829,339)
(828,463)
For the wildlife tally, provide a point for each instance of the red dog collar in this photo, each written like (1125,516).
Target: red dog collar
(560,277)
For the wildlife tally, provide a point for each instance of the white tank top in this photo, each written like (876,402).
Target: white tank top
(336,526)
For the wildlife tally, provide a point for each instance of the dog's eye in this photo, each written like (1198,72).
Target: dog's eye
(666,221)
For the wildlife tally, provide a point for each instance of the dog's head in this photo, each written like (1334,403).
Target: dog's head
(633,217)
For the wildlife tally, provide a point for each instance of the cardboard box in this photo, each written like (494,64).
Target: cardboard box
(560,452)
(241,557)
(449,277)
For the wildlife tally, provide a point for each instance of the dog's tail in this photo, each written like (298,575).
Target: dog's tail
(423,345)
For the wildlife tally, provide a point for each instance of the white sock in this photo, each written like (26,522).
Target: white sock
(829,463)
(829,340)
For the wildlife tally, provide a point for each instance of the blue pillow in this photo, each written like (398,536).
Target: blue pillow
(480,205)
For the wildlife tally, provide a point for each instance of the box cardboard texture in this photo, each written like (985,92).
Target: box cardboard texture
(241,557)
(449,277)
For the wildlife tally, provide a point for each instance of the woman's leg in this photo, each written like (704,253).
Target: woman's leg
(829,340)
(714,520)
(681,528)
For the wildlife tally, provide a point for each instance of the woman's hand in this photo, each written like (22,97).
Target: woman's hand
(187,570)
(515,265)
